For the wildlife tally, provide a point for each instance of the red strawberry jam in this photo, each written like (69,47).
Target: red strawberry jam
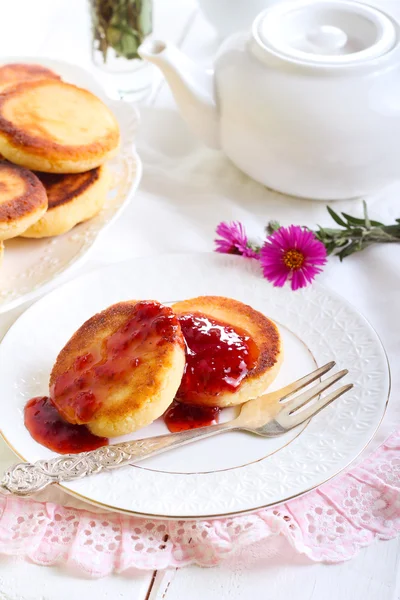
(218,357)
(180,417)
(47,427)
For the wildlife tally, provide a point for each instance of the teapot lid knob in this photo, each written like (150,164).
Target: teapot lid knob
(325,32)
(327,38)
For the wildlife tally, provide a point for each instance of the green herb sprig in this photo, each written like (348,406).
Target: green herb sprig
(121,25)
(354,234)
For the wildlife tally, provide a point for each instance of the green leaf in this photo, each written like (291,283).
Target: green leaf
(113,35)
(333,232)
(146,18)
(129,44)
(330,247)
(355,221)
(326,233)
(272,226)
(349,249)
(336,217)
(366,217)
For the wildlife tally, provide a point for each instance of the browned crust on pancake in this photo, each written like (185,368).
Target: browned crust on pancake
(106,321)
(263,331)
(62,188)
(14,73)
(42,146)
(33,197)
(104,324)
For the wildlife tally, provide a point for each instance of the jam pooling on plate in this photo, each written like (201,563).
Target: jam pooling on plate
(180,417)
(47,427)
(218,357)
(81,390)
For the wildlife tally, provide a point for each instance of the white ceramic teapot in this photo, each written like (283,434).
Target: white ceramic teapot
(308,103)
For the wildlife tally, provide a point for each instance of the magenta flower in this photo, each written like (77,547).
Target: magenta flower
(292,253)
(234,240)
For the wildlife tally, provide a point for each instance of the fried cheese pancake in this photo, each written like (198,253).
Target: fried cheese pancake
(14,73)
(233,351)
(56,127)
(121,369)
(23,200)
(73,198)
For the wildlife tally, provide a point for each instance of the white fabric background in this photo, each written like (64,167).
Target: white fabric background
(186,190)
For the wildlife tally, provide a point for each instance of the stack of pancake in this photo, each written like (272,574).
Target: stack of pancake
(54,141)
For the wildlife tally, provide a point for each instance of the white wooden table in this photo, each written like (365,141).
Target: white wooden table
(59,29)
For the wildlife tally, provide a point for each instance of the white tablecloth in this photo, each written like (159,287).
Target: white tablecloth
(186,191)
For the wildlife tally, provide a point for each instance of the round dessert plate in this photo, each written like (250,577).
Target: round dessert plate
(233,472)
(29,265)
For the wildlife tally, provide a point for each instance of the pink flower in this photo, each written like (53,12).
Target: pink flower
(234,240)
(292,253)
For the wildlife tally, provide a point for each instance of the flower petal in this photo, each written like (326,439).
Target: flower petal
(295,238)
(298,280)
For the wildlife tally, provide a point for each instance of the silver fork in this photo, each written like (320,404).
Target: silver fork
(269,415)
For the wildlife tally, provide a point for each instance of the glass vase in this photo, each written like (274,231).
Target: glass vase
(118,29)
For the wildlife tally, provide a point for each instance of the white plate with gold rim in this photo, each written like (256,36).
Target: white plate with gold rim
(29,266)
(234,472)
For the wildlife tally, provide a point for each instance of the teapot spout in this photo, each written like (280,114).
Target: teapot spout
(192,87)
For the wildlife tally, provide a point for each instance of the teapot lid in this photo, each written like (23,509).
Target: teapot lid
(325,32)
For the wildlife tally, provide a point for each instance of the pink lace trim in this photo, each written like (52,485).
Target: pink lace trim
(330,524)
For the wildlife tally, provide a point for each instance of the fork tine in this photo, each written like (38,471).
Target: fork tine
(299,417)
(302,399)
(304,381)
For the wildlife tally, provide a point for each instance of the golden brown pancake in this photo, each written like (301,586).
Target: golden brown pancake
(73,198)
(121,369)
(23,199)
(268,354)
(14,73)
(56,127)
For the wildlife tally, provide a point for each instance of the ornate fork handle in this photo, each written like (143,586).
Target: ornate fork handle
(24,479)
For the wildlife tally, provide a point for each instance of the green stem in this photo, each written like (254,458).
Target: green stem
(354,234)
